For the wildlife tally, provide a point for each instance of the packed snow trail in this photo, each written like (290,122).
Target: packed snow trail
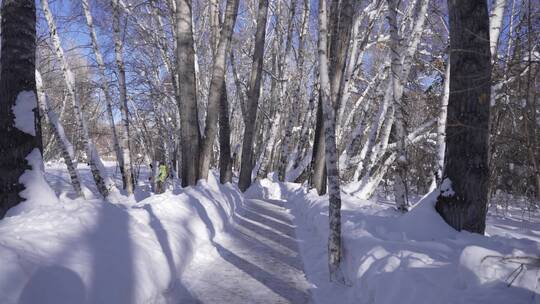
(212,244)
(258,261)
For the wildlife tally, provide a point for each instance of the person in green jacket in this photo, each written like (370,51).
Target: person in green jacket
(162,177)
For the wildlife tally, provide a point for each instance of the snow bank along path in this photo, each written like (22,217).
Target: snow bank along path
(212,244)
(414,258)
(203,244)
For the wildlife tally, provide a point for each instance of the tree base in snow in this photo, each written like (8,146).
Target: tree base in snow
(460,215)
(337,276)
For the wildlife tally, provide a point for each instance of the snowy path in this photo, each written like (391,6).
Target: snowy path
(258,261)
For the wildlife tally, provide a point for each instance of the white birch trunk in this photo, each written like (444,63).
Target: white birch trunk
(58,130)
(371,181)
(441,123)
(270,130)
(269,146)
(346,140)
(495,26)
(103,80)
(334,238)
(121,71)
(284,74)
(397,79)
(380,148)
(304,113)
(375,129)
(357,137)
(357,48)
(103,183)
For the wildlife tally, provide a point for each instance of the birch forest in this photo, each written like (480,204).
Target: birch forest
(281,151)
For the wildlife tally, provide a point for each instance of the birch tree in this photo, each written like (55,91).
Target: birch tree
(104,83)
(388,88)
(334,214)
(284,74)
(299,91)
(441,122)
(340,33)
(278,88)
(400,67)
(96,166)
(66,147)
(270,129)
(495,25)
(127,176)
(400,179)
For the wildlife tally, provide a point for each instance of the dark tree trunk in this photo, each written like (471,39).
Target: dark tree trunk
(340,38)
(190,133)
(17,75)
(464,204)
(253,98)
(225,161)
(531,119)
(215,94)
(318,165)
(340,27)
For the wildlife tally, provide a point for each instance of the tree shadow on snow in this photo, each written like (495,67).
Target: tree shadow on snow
(113,270)
(266,228)
(243,214)
(274,283)
(395,268)
(53,285)
(251,230)
(396,255)
(176,288)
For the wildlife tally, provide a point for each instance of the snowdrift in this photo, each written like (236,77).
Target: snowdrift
(116,251)
(136,249)
(413,258)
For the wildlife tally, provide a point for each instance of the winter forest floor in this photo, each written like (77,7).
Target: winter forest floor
(259,260)
(212,244)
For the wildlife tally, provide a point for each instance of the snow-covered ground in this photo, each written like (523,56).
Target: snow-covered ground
(413,258)
(130,250)
(212,244)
